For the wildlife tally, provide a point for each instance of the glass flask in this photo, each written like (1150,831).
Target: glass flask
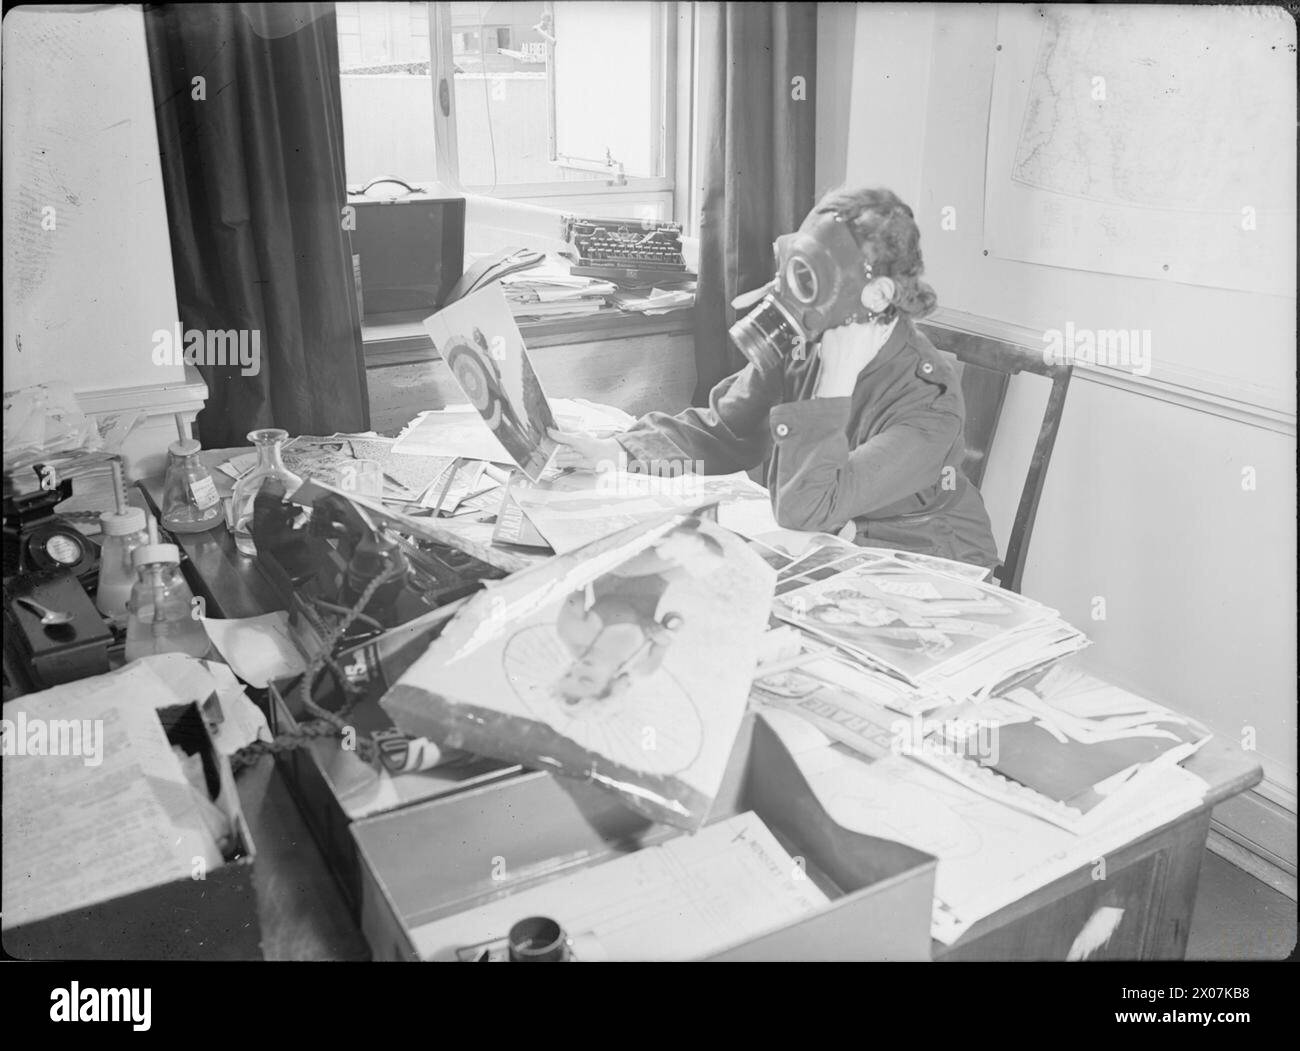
(190,500)
(123,533)
(269,465)
(161,615)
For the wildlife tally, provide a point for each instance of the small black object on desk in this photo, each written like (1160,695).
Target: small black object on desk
(51,654)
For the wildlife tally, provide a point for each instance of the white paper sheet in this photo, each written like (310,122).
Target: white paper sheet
(259,649)
(580,507)
(76,834)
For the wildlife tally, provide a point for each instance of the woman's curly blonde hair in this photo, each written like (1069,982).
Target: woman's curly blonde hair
(890,240)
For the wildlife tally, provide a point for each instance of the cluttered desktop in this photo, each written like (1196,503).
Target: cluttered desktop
(537,713)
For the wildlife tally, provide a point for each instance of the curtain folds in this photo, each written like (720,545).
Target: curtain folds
(757,74)
(250,132)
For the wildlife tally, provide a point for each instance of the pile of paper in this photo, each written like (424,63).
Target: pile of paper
(945,635)
(990,855)
(434,482)
(575,509)
(98,804)
(1061,744)
(458,431)
(551,291)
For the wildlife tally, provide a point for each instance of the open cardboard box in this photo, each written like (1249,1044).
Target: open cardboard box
(333,787)
(214,918)
(429,861)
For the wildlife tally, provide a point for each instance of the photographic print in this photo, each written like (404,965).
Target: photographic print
(909,618)
(478,339)
(627,662)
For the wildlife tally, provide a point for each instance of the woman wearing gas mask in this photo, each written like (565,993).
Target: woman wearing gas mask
(858,415)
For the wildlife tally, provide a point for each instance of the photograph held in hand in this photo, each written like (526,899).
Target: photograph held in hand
(478,339)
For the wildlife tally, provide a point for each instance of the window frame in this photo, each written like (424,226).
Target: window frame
(674,64)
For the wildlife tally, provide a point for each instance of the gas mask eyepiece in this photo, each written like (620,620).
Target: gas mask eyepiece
(820,277)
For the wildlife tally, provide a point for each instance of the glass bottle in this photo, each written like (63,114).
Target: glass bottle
(161,611)
(123,532)
(190,500)
(269,465)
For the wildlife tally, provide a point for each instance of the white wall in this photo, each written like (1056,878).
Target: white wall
(83,298)
(1143,504)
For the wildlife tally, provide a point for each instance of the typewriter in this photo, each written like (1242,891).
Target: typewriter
(627,251)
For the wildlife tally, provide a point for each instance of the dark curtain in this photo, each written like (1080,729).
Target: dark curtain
(252,164)
(756,126)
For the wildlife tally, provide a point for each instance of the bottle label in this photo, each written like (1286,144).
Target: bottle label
(204,492)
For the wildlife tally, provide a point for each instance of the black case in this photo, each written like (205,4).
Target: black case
(407,251)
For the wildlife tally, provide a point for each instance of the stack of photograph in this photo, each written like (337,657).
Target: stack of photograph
(949,638)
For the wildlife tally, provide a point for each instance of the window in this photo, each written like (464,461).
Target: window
(564,104)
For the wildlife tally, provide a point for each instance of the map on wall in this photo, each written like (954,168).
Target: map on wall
(1146,141)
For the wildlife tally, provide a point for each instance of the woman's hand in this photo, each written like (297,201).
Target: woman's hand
(588,453)
(845,352)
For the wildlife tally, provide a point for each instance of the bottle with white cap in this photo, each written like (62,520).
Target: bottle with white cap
(124,531)
(162,613)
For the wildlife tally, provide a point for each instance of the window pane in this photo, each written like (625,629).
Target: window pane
(607,95)
(524,115)
(387,94)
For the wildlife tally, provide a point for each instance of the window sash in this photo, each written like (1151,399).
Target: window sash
(675,41)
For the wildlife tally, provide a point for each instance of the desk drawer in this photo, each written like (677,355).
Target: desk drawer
(433,860)
(333,788)
(1140,898)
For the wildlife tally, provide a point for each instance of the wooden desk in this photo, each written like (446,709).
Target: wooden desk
(1153,879)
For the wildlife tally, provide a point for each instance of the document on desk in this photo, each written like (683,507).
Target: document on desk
(690,898)
(514,527)
(844,715)
(584,506)
(258,649)
(112,813)
(413,474)
(457,430)
(990,854)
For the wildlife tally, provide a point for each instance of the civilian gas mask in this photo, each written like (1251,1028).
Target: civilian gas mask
(820,277)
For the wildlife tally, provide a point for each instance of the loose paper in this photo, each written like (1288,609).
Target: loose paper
(84,828)
(259,649)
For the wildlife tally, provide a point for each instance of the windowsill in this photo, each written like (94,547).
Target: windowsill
(402,340)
